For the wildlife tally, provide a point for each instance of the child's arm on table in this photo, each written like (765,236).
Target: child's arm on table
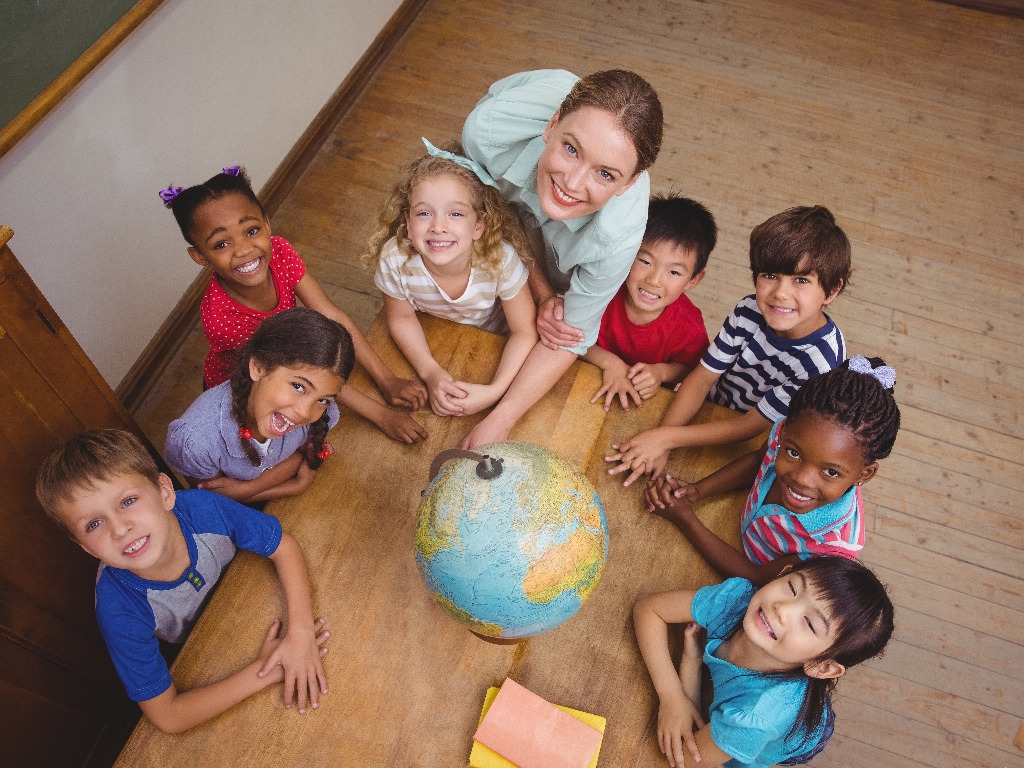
(679,721)
(407,332)
(648,450)
(298,653)
(395,424)
(396,391)
(722,557)
(615,379)
(248,490)
(521,316)
(737,475)
(174,712)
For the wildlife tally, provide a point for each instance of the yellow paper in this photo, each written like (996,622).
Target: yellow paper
(482,757)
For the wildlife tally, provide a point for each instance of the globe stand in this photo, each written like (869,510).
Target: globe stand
(486,468)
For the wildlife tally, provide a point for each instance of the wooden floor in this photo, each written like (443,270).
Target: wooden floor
(907,120)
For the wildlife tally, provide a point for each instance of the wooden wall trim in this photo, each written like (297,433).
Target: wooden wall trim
(69,79)
(147,369)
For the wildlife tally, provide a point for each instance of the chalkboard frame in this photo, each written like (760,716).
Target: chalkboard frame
(68,80)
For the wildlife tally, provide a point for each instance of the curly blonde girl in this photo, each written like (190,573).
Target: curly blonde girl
(500,222)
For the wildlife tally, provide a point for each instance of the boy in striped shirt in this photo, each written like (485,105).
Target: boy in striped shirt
(771,343)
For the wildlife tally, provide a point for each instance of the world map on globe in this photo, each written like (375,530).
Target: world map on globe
(516,555)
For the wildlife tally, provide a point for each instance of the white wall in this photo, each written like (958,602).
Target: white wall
(201,85)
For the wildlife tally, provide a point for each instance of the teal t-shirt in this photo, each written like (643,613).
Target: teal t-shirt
(752,712)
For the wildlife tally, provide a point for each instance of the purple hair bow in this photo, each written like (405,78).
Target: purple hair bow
(885,375)
(168,195)
(234,170)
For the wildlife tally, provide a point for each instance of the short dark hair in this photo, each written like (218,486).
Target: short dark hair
(188,201)
(92,456)
(683,222)
(780,244)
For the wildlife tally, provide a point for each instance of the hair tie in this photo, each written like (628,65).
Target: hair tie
(465,162)
(324,452)
(885,375)
(168,195)
(234,170)
(245,434)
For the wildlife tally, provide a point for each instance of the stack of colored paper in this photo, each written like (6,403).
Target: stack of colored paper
(519,729)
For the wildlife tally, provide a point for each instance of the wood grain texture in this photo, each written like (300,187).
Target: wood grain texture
(905,119)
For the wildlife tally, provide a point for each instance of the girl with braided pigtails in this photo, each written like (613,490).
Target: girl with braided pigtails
(261,435)
(805,500)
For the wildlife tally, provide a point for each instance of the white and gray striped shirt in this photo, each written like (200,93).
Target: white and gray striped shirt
(480,304)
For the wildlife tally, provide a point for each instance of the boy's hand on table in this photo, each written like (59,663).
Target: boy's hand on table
(403,393)
(552,329)
(645,379)
(644,453)
(295,659)
(615,383)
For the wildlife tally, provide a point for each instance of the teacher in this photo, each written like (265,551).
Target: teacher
(571,155)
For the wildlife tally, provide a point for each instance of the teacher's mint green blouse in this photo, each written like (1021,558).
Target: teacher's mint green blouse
(589,257)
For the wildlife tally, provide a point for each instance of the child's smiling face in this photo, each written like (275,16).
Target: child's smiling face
(792,305)
(443,224)
(661,272)
(588,160)
(818,461)
(233,237)
(788,625)
(127,521)
(284,398)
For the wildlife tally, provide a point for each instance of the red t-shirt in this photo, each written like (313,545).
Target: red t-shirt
(677,336)
(229,324)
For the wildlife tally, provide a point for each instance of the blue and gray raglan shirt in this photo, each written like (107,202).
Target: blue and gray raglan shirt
(134,614)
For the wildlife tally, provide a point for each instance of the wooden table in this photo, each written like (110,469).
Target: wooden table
(407,682)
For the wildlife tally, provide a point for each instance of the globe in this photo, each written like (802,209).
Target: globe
(514,555)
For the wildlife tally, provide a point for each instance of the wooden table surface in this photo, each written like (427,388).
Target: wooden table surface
(407,682)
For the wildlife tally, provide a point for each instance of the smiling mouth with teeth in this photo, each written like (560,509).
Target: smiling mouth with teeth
(280,424)
(249,267)
(563,198)
(135,546)
(764,623)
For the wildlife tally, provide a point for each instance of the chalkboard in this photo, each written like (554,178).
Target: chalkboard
(39,39)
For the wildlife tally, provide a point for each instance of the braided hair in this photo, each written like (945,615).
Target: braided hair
(857,401)
(294,338)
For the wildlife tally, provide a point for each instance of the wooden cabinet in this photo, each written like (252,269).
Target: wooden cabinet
(61,703)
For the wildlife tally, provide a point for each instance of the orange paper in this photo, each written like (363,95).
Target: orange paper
(533,733)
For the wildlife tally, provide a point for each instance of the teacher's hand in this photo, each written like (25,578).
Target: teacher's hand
(553,331)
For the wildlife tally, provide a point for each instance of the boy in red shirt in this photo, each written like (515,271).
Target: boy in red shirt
(651,333)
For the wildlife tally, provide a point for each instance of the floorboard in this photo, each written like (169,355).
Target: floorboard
(907,120)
